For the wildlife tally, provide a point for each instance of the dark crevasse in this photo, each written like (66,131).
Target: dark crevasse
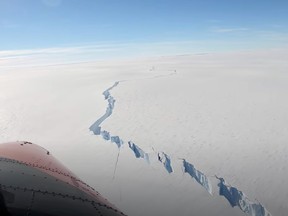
(237,198)
(105,135)
(95,128)
(139,153)
(166,161)
(197,175)
(117,140)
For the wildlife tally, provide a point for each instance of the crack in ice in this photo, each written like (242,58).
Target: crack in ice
(166,161)
(96,128)
(234,196)
(237,198)
(197,175)
(139,153)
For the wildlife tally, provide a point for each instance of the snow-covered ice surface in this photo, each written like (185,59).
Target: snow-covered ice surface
(225,114)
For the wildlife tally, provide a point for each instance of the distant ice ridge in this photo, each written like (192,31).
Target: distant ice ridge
(197,175)
(232,194)
(238,198)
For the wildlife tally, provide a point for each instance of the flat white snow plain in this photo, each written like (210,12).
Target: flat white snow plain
(225,114)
